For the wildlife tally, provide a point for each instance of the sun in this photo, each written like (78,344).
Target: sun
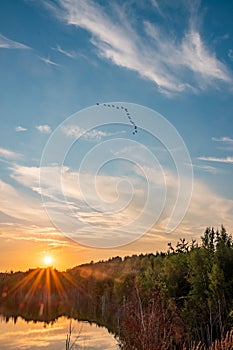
(48,260)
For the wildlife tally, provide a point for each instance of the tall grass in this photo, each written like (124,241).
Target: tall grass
(223,344)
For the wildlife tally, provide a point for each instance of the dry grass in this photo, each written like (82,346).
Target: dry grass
(224,344)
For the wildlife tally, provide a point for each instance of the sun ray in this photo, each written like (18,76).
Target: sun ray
(71,280)
(59,286)
(34,285)
(48,289)
(34,293)
(22,283)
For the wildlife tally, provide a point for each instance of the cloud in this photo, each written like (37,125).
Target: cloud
(223,139)
(172,62)
(20,128)
(26,176)
(206,207)
(6,43)
(206,168)
(74,184)
(67,53)
(230,54)
(228,160)
(77,198)
(6,153)
(198,59)
(44,129)
(91,135)
(49,61)
(23,218)
(20,206)
(156,5)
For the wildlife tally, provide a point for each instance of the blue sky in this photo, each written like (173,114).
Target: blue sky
(60,57)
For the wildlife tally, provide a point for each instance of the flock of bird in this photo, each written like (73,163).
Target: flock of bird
(128,115)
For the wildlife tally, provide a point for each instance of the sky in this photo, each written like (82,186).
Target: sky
(116,127)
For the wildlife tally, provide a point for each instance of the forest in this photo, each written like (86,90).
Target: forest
(179,299)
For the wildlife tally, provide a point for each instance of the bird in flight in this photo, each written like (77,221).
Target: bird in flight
(128,115)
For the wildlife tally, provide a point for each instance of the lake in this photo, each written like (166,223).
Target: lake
(39,336)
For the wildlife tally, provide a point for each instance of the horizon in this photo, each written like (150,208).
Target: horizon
(109,259)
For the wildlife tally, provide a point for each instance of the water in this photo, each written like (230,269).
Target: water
(37,336)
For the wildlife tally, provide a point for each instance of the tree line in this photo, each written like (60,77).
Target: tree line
(161,301)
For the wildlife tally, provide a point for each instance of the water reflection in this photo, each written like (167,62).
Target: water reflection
(36,305)
(17,333)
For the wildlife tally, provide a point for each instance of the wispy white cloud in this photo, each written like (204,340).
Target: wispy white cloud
(217,160)
(206,168)
(26,176)
(76,131)
(70,54)
(48,61)
(20,128)
(156,5)
(199,59)
(74,184)
(6,153)
(90,198)
(23,218)
(230,54)
(223,139)
(20,206)
(6,43)
(44,129)
(153,52)
(206,207)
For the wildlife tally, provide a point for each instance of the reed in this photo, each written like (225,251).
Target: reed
(224,344)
